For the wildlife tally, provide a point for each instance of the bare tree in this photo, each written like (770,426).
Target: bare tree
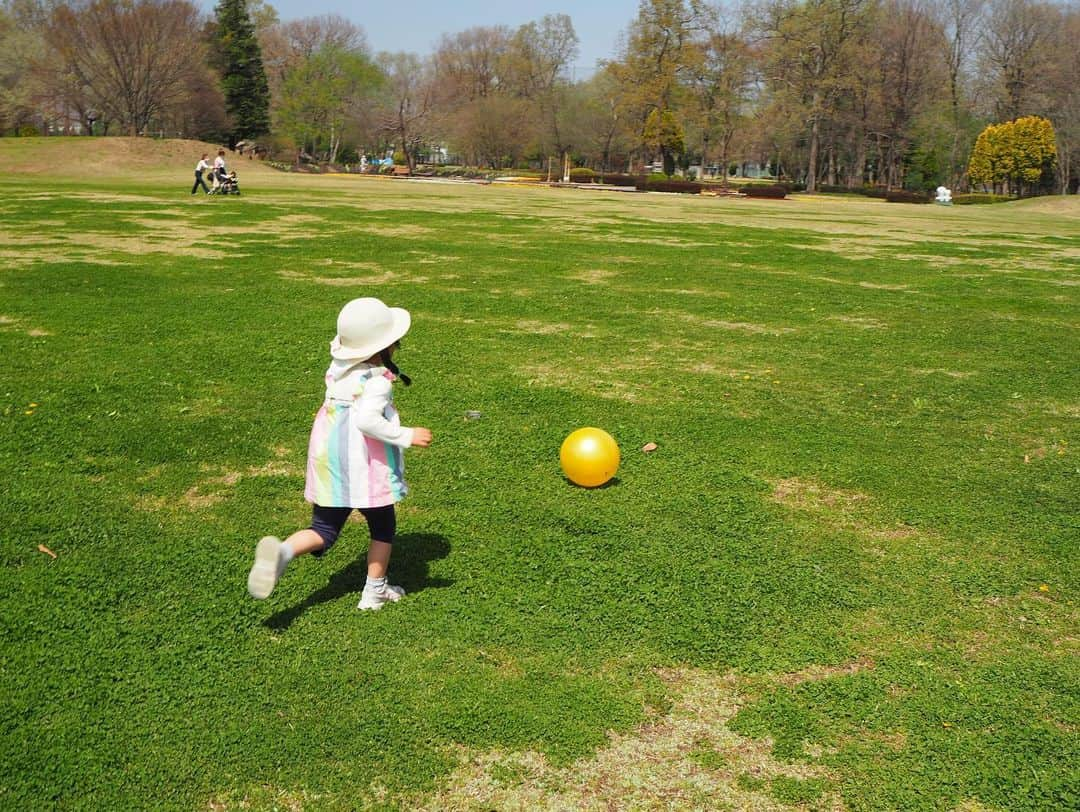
(809,59)
(1016,52)
(960,21)
(908,43)
(538,57)
(136,59)
(722,82)
(407,103)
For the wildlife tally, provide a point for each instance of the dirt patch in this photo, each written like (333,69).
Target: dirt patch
(687,758)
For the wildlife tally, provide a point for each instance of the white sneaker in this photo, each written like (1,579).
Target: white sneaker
(374,598)
(266,570)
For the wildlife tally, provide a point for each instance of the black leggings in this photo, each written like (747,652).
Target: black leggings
(328,521)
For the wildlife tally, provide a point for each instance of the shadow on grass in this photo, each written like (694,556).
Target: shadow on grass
(409,565)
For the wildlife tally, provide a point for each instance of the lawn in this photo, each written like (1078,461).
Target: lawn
(846,578)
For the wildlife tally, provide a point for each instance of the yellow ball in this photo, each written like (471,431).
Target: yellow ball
(589,457)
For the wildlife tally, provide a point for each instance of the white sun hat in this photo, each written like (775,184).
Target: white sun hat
(366,326)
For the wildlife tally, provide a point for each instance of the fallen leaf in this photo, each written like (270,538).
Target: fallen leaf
(43,549)
(1044,587)
(649,447)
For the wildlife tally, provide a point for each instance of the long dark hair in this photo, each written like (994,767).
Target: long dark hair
(384,356)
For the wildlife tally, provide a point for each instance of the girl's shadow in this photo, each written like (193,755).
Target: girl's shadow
(412,553)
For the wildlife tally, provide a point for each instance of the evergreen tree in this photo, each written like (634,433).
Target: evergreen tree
(238,59)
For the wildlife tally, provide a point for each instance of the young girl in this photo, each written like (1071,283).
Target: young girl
(355,452)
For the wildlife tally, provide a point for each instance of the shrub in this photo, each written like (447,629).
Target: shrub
(664,185)
(617,179)
(582,174)
(967,200)
(776,191)
(904,196)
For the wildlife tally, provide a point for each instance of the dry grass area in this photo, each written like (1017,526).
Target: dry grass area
(683,759)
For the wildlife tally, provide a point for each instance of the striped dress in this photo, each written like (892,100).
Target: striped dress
(356,451)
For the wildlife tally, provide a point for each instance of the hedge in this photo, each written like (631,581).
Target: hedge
(904,196)
(967,200)
(776,191)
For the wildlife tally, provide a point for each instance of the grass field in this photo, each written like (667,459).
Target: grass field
(846,579)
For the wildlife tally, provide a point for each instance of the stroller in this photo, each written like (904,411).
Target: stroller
(226,184)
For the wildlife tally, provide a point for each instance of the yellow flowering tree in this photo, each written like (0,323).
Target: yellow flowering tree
(1015,156)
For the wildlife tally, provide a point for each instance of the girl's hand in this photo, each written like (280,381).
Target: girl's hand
(421,437)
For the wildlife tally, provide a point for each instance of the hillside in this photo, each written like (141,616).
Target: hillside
(84,158)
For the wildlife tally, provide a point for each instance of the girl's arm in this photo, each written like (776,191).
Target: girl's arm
(369,415)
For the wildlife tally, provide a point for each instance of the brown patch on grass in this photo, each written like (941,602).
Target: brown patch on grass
(429,258)
(546,328)
(339,281)
(652,767)
(886,286)
(723,324)
(865,322)
(9,323)
(215,489)
(398,230)
(806,495)
(840,509)
(817,673)
(948,372)
(604,381)
(593,276)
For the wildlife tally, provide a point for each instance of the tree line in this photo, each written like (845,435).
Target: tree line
(828,93)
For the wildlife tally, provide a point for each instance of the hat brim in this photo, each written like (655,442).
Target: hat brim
(399,325)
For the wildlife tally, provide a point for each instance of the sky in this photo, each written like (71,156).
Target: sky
(417,26)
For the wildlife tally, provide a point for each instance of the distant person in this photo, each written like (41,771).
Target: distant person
(355,453)
(219,166)
(201,167)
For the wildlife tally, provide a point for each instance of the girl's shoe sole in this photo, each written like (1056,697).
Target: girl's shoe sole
(263,576)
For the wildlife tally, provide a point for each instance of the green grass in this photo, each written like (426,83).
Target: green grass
(867,429)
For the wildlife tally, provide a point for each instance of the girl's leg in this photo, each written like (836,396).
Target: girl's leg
(382,523)
(378,558)
(305,541)
(273,556)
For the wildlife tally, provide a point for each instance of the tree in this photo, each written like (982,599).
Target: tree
(1016,52)
(659,54)
(1016,156)
(537,59)
(132,59)
(908,43)
(321,94)
(959,20)
(809,59)
(663,132)
(407,102)
(238,59)
(722,85)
